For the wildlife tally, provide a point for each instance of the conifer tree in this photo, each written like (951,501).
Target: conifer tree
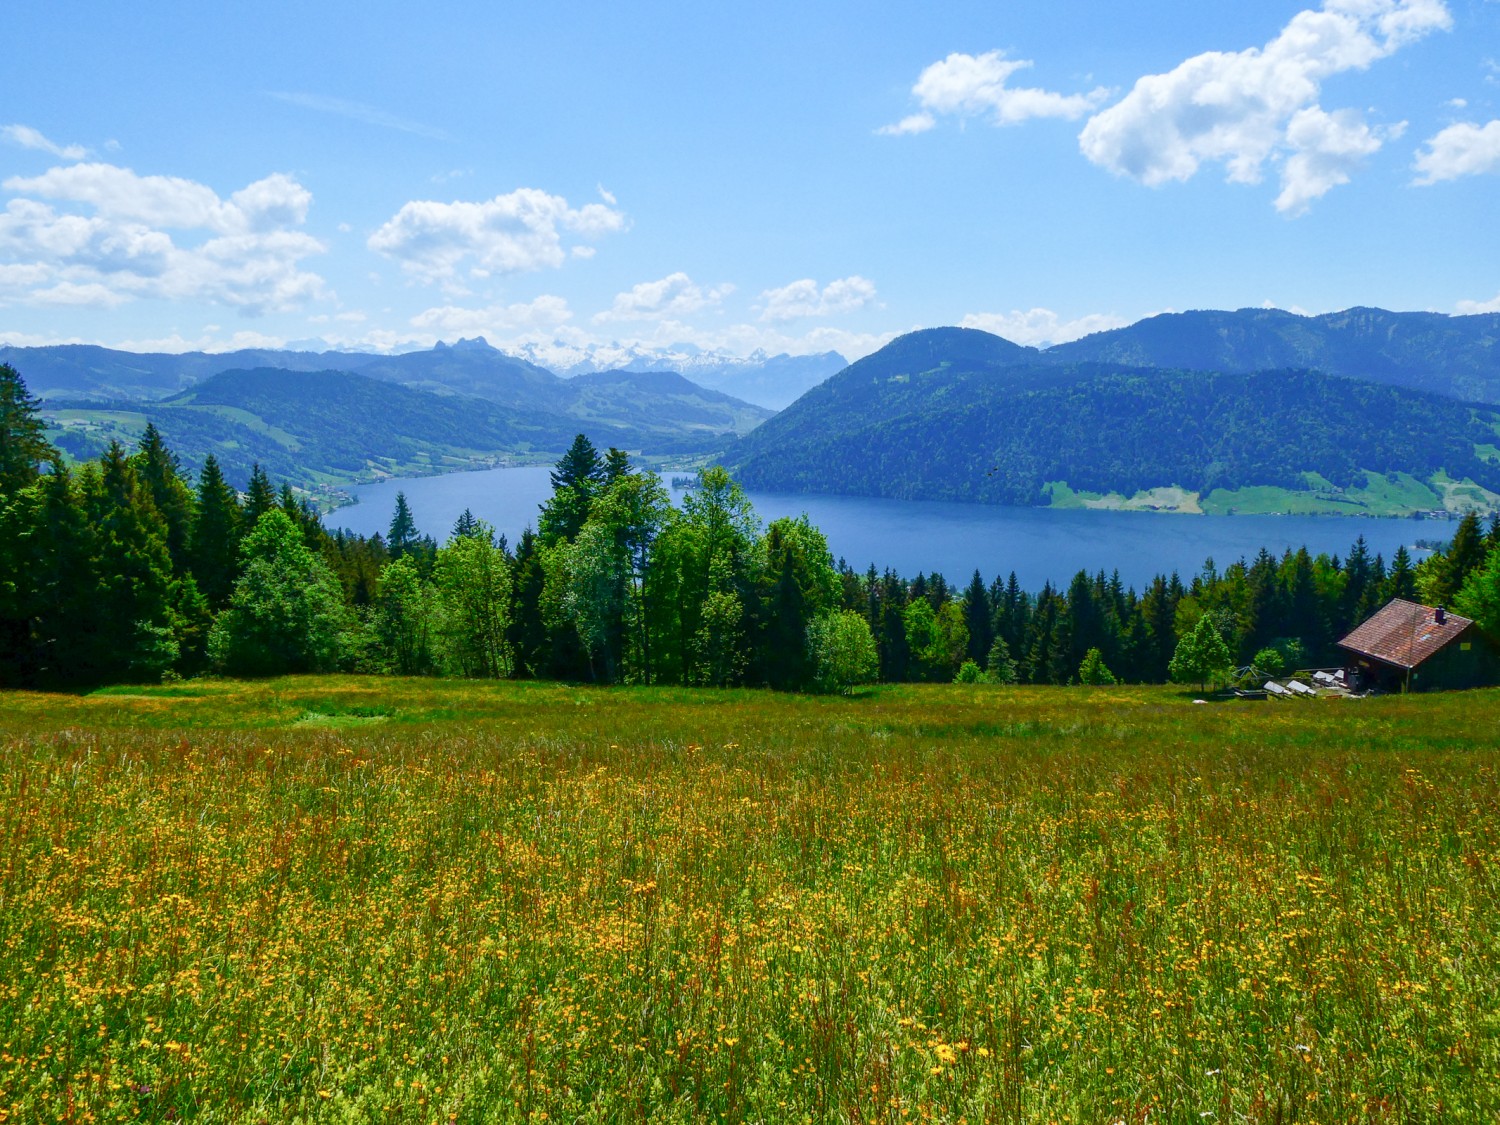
(59,557)
(979,618)
(1443,576)
(402,537)
(133,619)
(260,498)
(576,479)
(214,544)
(465,526)
(23,443)
(1402,580)
(160,474)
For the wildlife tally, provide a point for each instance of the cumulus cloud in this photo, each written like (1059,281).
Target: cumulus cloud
(1464,149)
(804,299)
(1252,107)
(976,86)
(1041,327)
(676,294)
(1327,148)
(27,137)
(514,233)
(542,316)
(101,235)
(1469,308)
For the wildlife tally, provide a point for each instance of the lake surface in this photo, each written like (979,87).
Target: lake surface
(1039,544)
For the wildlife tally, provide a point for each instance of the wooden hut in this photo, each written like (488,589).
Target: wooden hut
(1412,647)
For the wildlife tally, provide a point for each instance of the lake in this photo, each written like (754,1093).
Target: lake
(1039,544)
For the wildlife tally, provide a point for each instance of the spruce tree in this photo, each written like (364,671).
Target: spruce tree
(979,617)
(465,525)
(63,581)
(260,498)
(401,539)
(133,605)
(214,544)
(1402,580)
(23,443)
(160,473)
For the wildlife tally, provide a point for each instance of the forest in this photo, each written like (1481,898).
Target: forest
(123,569)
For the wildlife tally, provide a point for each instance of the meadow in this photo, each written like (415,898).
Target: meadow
(378,900)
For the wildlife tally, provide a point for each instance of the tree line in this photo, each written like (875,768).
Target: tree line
(122,569)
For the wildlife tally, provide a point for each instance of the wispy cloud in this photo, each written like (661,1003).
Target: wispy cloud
(27,137)
(358,111)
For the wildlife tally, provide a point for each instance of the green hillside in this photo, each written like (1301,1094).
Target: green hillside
(1451,355)
(1103,435)
(336,427)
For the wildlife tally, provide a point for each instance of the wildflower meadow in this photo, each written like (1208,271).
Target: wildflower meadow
(387,900)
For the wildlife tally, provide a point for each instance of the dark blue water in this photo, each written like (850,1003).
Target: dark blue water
(1039,544)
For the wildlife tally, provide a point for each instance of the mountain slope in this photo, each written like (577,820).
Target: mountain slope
(1452,355)
(331,427)
(1036,434)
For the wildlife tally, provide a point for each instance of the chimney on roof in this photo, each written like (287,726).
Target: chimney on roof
(1441,616)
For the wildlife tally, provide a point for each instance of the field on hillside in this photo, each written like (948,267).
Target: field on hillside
(382,900)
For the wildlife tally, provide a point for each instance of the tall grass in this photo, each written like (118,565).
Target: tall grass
(406,901)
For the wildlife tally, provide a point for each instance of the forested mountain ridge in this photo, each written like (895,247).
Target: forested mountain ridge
(1451,355)
(334,427)
(903,424)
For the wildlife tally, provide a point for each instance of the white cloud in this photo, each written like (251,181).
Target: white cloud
(541,317)
(1041,327)
(676,294)
(909,125)
(1256,106)
(975,85)
(27,137)
(101,235)
(1464,149)
(513,233)
(1468,308)
(1327,148)
(804,298)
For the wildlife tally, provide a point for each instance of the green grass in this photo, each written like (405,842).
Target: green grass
(359,899)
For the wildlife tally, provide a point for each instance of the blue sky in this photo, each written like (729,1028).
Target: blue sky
(784,176)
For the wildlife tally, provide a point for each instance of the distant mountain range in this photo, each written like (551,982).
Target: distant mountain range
(768,380)
(1451,355)
(1363,410)
(959,414)
(334,427)
(73,371)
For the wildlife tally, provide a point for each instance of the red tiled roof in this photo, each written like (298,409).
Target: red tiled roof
(1404,634)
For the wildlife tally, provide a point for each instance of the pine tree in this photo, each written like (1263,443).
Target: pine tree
(214,543)
(23,444)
